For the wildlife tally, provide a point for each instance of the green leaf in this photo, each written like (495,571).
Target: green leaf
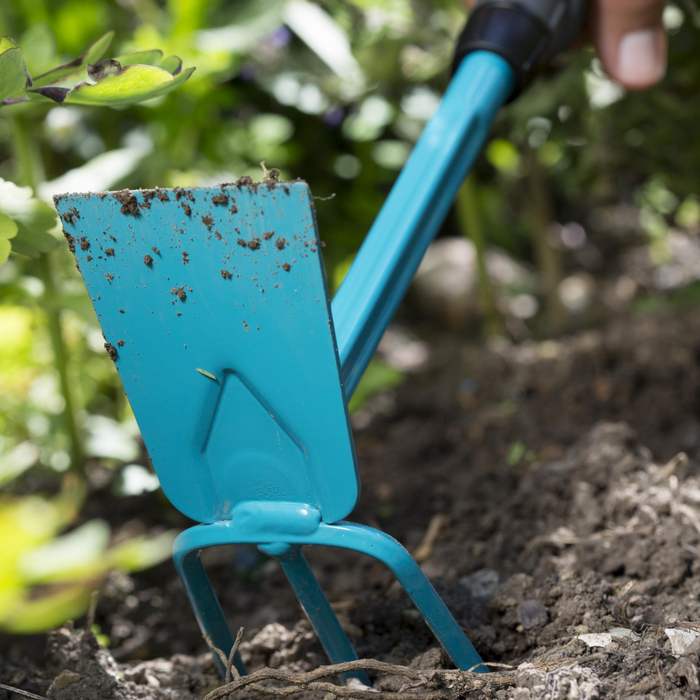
(142,552)
(7,42)
(19,204)
(91,55)
(173,64)
(8,227)
(14,78)
(35,615)
(79,555)
(127,86)
(5,249)
(32,219)
(33,243)
(149,58)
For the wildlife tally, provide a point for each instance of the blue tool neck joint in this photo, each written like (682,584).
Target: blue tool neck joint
(526,33)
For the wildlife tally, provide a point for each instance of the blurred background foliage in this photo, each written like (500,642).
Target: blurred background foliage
(584,204)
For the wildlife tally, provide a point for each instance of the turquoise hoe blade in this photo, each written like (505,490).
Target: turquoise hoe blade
(214,308)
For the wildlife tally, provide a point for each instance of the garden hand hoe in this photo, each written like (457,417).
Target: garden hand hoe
(215,310)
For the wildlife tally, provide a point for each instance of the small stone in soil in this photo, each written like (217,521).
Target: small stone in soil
(531,614)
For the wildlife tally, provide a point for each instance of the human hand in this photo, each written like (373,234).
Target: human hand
(629,38)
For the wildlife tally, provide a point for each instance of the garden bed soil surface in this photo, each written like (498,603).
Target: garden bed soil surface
(551,492)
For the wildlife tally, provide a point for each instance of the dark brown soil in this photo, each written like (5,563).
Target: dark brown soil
(186,208)
(286,267)
(84,244)
(254,244)
(127,199)
(109,251)
(111,351)
(280,243)
(208,222)
(268,235)
(226,274)
(71,241)
(147,259)
(221,199)
(543,490)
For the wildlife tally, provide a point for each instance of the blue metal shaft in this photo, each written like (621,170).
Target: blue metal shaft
(415,209)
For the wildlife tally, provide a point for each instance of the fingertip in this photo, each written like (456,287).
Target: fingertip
(640,59)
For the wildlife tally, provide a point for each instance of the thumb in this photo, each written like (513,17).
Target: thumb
(631,41)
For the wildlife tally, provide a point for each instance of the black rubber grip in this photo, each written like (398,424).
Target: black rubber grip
(526,33)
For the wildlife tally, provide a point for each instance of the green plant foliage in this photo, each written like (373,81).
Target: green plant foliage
(77,66)
(46,577)
(127,80)
(14,77)
(31,220)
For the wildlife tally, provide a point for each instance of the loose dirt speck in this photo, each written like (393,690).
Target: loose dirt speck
(244,181)
(89,258)
(147,259)
(121,311)
(221,199)
(254,244)
(155,250)
(208,222)
(111,351)
(109,276)
(280,243)
(226,274)
(121,343)
(241,242)
(268,235)
(162,195)
(71,241)
(286,267)
(233,209)
(84,244)
(186,208)
(130,205)
(109,251)
(185,257)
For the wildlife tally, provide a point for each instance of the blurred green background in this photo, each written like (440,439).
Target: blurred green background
(583,205)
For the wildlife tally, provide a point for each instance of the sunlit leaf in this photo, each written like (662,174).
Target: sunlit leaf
(91,55)
(5,250)
(123,86)
(18,460)
(19,204)
(49,610)
(150,58)
(8,227)
(142,552)
(14,78)
(77,555)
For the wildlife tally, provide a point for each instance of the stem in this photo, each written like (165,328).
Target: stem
(548,258)
(467,208)
(32,173)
